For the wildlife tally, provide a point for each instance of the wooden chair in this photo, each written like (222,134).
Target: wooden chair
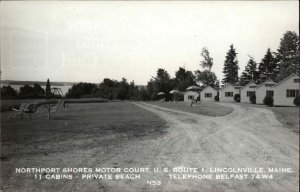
(20,111)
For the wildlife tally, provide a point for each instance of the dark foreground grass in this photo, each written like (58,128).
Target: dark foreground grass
(8,104)
(204,108)
(288,116)
(103,123)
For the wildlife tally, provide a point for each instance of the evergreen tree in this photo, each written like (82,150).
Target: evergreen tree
(160,83)
(267,67)
(48,89)
(250,73)
(288,55)
(231,67)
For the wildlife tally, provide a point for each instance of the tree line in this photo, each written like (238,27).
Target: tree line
(274,65)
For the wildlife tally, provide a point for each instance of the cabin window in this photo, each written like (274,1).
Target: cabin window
(297,80)
(292,92)
(228,94)
(252,86)
(270,93)
(249,93)
(191,97)
(208,95)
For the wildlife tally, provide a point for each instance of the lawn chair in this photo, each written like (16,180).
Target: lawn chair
(25,108)
(21,110)
(30,109)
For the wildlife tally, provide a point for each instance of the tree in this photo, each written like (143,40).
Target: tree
(48,89)
(231,67)
(288,55)
(26,92)
(81,90)
(207,61)
(207,78)
(250,73)
(7,92)
(39,92)
(267,67)
(162,80)
(121,91)
(160,83)
(133,92)
(106,88)
(183,79)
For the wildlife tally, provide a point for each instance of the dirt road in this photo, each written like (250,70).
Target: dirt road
(248,137)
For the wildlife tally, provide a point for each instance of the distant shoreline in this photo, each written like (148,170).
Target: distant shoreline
(42,83)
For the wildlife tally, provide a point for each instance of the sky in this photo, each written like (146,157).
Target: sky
(74,41)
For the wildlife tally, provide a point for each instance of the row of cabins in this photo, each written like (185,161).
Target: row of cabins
(283,92)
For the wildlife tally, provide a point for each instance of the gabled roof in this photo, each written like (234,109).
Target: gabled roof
(290,76)
(251,82)
(208,87)
(263,83)
(227,85)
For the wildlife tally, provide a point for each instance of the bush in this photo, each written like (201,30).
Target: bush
(268,101)
(297,100)
(253,99)
(7,92)
(81,90)
(237,97)
(217,98)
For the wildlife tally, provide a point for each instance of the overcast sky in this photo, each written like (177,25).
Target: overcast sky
(88,41)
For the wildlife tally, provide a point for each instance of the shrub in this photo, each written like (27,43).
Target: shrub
(253,99)
(217,98)
(237,97)
(268,101)
(297,100)
(7,92)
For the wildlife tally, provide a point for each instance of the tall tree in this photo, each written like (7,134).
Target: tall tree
(288,55)
(207,61)
(7,92)
(160,83)
(184,79)
(250,73)
(48,89)
(231,67)
(267,67)
(205,76)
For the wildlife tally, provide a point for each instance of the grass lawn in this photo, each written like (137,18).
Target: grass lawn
(7,104)
(205,108)
(288,116)
(96,123)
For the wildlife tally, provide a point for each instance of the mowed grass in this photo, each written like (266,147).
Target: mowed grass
(92,123)
(204,108)
(8,104)
(288,116)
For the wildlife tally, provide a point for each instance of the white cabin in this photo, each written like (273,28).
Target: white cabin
(190,95)
(247,91)
(263,90)
(227,92)
(208,94)
(286,90)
